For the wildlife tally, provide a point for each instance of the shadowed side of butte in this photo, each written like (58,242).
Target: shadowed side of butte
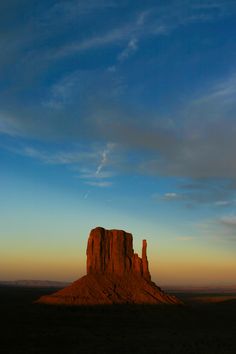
(115,275)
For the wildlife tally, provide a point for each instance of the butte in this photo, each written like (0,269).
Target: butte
(115,275)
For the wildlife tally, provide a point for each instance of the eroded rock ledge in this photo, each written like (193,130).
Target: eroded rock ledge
(115,275)
(111,252)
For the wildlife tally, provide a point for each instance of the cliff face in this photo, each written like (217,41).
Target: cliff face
(115,274)
(111,252)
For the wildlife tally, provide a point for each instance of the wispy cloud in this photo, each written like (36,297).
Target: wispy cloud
(112,36)
(57,158)
(157,20)
(131,31)
(193,148)
(99,177)
(223,90)
(91,164)
(222,228)
(87,174)
(223,203)
(104,159)
(129,50)
(71,10)
(229,221)
(10,126)
(202,142)
(50,21)
(99,183)
(207,192)
(171,196)
(168,197)
(62,92)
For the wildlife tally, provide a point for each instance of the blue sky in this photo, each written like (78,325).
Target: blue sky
(119,114)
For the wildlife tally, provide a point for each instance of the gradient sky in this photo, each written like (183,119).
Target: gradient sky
(120,114)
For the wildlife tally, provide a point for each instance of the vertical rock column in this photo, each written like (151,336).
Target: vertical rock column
(146,273)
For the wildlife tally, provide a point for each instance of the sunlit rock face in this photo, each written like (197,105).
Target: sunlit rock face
(115,275)
(111,252)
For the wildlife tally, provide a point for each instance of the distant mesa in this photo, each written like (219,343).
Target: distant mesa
(115,275)
(34,283)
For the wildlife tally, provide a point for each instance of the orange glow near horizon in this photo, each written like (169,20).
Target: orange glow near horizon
(194,268)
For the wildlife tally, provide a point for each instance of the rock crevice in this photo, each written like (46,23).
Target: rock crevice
(111,252)
(115,274)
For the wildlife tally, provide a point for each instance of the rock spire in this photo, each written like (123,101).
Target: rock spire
(115,274)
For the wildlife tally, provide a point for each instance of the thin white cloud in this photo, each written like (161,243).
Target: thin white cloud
(60,158)
(100,184)
(161,20)
(220,229)
(195,154)
(97,179)
(89,174)
(170,196)
(109,37)
(69,10)
(10,126)
(222,91)
(131,48)
(104,158)
(229,220)
(143,15)
(131,31)
(212,4)
(209,192)
(223,203)
(62,91)
(91,164)
(51,21)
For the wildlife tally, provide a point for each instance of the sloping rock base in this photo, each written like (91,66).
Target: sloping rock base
(115,275)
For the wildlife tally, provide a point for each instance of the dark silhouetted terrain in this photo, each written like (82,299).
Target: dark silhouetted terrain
(35,283)
(115,329)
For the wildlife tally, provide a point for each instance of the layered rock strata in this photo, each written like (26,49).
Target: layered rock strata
(111,252)
(115,274)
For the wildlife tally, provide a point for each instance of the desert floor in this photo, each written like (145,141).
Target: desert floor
(203,327)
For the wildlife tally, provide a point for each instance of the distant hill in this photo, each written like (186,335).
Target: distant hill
(35,283)
(201,289)
(169,288)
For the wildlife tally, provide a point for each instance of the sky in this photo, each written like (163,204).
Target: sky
(119,114)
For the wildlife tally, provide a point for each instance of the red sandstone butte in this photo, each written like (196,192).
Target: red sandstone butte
(115,275)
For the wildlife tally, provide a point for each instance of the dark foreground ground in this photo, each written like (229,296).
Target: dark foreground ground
(194,328)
